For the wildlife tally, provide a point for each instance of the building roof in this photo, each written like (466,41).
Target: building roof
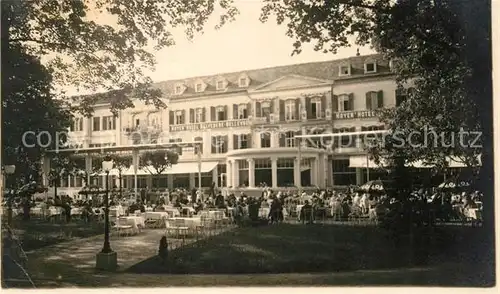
(326,70)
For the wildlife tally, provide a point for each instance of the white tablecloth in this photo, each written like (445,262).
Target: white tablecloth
(76,211)
(117,211)
(190,222)
(134,221)
(216,214)
(173,212)
(156,215)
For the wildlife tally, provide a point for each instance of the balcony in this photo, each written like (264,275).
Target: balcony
(143,129)
(224,124)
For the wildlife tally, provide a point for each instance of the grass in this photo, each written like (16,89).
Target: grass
(35,234)
(313,249)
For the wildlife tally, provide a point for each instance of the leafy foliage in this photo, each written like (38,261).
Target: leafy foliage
(157,161)
(105,44)
(121,161)
(28,109)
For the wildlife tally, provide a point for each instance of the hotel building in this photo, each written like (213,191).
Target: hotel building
(247,121)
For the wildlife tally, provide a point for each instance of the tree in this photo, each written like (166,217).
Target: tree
(443,45)
(91,54)
(157,161)
(61,165)
(28,109)
(121,162)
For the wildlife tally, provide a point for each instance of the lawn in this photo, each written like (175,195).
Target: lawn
(35,234)
(340,249)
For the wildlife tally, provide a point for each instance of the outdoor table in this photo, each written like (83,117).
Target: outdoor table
(117,211)
(156,215)
(76,211)
(135,221)
(190,222)
(216,214)
(173,212)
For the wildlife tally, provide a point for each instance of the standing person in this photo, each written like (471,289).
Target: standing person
(143,195)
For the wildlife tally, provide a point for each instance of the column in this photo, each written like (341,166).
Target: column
(251,173)
(274,139)
(118,130)
(274,171)
(170,181)
(314,171)
(235,174)
(192,180)
(329,172)
(149,181)
(135,162)
(359,176)
(88,168)
(215,176)
(229,173)
(321,171)
(296,173)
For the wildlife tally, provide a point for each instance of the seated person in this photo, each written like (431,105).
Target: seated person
(306,213)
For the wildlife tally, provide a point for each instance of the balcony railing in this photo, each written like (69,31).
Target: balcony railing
(210,125)
(151,129)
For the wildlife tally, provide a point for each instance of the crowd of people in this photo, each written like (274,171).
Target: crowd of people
(319,204)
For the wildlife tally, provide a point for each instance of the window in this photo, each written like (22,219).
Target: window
(243,82)
(243,141)
(77,125)
(266,109)
(199,115)
(290,110)
(178,89)
(242,111)
(220,85)
(137,122)
(220,144)
(154,121)
(265,140)
(374,100)
(96,124)
(221,113)
(290,139)
(262,163)
(345,103)
(178,118)
(370,67)
(243,172)
(199,87)
(316,108)
(344,70)
(108,123)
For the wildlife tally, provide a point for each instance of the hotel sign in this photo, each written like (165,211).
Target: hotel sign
(355,114)
(210,125)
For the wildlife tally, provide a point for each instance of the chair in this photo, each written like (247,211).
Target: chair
(123,228)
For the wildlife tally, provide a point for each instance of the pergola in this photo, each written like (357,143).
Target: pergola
(135,149)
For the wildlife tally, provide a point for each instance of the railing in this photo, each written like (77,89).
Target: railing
(143,129)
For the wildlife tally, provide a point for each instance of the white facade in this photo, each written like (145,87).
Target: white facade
(247,121)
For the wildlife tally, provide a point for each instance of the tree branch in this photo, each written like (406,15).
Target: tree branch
(38,42)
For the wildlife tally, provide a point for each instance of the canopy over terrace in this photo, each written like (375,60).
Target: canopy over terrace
(135,149)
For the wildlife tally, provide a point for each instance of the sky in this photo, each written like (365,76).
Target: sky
(243,44)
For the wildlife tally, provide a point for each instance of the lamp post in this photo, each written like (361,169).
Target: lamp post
(107,258)
(8,170)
